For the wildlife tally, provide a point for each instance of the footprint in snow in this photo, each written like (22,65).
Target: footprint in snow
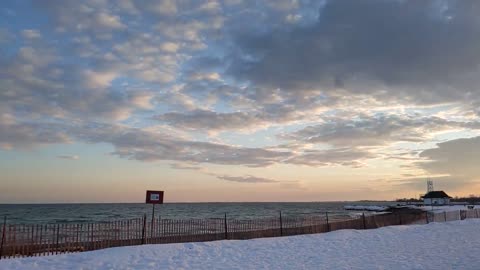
(188,245)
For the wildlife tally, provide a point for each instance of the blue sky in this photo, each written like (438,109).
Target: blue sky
(237,100)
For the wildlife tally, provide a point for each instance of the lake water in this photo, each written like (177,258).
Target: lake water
(86,213)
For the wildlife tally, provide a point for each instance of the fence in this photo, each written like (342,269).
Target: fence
(20,240)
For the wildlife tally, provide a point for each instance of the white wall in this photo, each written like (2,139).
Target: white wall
(436,201)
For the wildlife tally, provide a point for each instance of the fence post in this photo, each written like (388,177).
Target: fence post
(426,216)
(226,228)
(445,215)
(400,218)
(281,224)
(91,236)
(153,221)
(364,223)
(3,235)
(143,228)
(58,239)
(328,224)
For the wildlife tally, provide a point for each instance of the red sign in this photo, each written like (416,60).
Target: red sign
(155,197)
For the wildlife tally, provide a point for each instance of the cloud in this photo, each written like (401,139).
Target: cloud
(456,158)
(255,108)
(170,47)
(247,179)
(380,129)
(5,35)
(142,100)
(332,83)
(70,157)
(94,17)
(211,121)
(37,82)
(240,179)
(205,76)
(30,135)
(164,7)
(352,157)
(450,184)
(415,51)
(144,145)
(31,34)
(182,166)
(451,165)
(98,79)
(108,21)
(149,146)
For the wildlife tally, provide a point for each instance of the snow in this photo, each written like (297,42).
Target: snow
(450,245)
(443,208)
(366,207)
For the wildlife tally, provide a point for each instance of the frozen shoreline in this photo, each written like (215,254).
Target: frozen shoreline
(443,208)
(395,247)
(375,208)
(429,208)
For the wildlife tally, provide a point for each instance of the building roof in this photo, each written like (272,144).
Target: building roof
(436,194)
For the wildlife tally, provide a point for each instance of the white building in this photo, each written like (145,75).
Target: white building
(436,198)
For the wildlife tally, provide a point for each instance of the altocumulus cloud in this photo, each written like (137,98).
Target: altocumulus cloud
(316,83)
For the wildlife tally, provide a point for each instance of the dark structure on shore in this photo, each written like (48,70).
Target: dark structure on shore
(436,198)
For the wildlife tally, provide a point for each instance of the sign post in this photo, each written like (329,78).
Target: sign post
(153,197)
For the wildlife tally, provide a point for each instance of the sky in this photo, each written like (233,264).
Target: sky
(237,100)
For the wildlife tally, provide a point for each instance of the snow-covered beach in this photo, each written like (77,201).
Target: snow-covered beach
(450,245)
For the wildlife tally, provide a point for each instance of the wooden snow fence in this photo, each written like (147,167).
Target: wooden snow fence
(26,240)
